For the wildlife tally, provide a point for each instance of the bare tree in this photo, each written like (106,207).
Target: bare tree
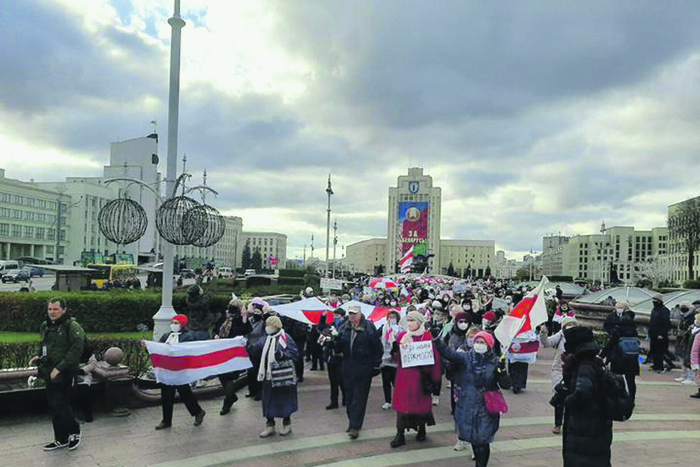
(684,228)
(656,268)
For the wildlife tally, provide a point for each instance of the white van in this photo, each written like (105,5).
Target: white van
(249,272)
(6,266)
(225,273)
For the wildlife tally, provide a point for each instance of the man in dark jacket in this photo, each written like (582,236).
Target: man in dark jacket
(622,351)
(587,431)
(612,321)
(62,340)
(659,326)
(333,357)
(362,351)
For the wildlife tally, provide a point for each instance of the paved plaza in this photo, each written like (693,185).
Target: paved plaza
(664,431)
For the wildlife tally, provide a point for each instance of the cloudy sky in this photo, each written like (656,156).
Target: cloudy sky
(534,117)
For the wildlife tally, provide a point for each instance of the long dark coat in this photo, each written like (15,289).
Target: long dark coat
(365,354)
(279,402)
(473,374)
(587,433)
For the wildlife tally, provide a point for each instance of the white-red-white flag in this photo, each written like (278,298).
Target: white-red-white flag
(406,262)
(307,311)
(376,314)
(183,363)
(529,313)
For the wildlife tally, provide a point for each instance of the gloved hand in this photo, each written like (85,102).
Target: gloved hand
(435,332)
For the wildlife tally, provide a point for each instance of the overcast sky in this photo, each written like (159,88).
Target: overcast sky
(534,117)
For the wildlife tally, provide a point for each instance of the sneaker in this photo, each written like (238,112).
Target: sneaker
(73,441)
(353,434)
(436,400)
(53,445)
(331,406)
(556,430)
(688,382)
(285,430)
(680,379)
(162,426)
(386,405)
(696,395)
(267,432)
(461,445)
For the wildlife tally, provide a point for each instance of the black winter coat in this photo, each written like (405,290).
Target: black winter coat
(660,322)
(621,363)
(365,354)
(587,432)
(612,321)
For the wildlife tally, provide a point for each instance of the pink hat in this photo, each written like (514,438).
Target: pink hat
(486,336)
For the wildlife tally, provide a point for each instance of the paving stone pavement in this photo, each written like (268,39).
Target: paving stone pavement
(664,431)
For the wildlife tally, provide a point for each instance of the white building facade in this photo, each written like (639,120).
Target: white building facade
(476,256)
(366,257)
(270,245)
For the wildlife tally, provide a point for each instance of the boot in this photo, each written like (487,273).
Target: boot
(286,429)
(399,440)
(230,398)
(696,395)
(421,436)
(268,431)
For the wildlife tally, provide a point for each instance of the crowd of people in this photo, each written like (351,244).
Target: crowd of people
(456,319)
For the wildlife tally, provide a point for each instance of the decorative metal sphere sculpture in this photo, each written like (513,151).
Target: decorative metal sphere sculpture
(213,222)
(171,224)
(122,221)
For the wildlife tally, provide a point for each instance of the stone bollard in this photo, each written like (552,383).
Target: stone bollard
(117,380)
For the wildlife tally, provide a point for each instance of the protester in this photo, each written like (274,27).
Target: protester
(520,355)
(257,314)
(362,352)
(659,327)
(622,351)
(333,358)
(557,341)
(276,375)
(476,371)
(234,323)
(613,319)
(685,341)
(179,332)
(587,431)
(563,311)
(200,317)
(412,394)
(389,333)
(62,341)
(695,355)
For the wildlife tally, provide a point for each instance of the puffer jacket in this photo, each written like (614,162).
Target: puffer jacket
(63,340)
(557,341)
(587,432)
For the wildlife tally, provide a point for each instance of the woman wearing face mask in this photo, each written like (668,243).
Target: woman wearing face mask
(278,401)
(460,339)
(234,323)
(412,394)
(563,311)
(389,333)
(557,341)
(178,333)
(256,335)
(476,371)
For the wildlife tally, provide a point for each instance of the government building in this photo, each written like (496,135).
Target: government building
(414,214)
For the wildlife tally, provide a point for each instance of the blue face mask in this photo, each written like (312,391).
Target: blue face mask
(337,320)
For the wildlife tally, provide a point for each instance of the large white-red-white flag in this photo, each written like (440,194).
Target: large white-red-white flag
(406,262)
(183,363)
(307,311)
(376,314)
(529,313)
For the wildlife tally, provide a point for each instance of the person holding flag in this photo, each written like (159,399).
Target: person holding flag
(518,337)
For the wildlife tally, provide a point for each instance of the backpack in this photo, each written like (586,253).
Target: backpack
(87,348)
(629,346)
(617,403)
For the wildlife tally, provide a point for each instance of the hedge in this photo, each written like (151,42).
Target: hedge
(18,354)
(691,284)
(292,273)
(95,311)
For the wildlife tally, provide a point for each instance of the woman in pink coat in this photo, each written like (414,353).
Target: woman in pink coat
(413,389)
(695,355)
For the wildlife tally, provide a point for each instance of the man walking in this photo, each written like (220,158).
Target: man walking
(659,326)
(362,354)
(62,340)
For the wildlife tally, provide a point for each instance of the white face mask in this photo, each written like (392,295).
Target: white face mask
(270,330)
(175,327)
(481,348)
(413,326)
(463,326)
(392,322)
(470,342)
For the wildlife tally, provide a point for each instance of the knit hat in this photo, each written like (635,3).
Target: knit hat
(437,305)
(576,337)
(462,316)
(568,320)
(658,297)
(490,316)
(182,319)
(274,321)
(414,315)
(486,336)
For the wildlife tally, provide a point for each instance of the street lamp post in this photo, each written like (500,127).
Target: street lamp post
(329,191)
(164,315)
(335,243)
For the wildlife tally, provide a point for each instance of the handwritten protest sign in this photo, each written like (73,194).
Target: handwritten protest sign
(417,354)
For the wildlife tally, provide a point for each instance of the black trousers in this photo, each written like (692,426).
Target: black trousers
(254,387)
(518,374)
(317,356)
(388,381)
(59,393)
(657,350)
(82,400)
(356,395)
(631,385)
(559,415)
(335,377)
(482,452)
(167,394)
(299,364)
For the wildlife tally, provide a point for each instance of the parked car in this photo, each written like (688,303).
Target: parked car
(187,273)
(34,271)
(225,273)
(249,272)
(16,275)
(7,266)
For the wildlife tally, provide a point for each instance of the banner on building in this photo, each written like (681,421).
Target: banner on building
(413,228)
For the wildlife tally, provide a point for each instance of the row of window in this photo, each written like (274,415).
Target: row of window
(28,201)
(26,231)
(31,216)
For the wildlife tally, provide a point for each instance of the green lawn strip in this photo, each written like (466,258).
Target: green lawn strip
(34,337)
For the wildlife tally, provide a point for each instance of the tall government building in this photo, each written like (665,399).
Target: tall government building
(414,218)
